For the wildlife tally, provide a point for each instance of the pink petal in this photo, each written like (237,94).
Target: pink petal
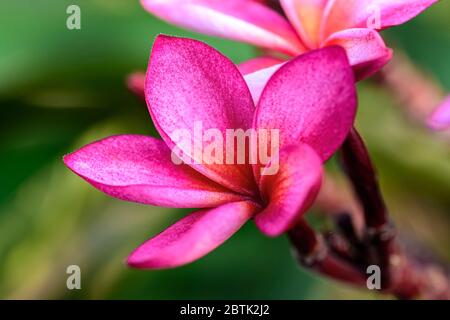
(190,84)
(306,17)
(192,237)
(365,48)
(257,80)
(311,99)
(241,20)
(136,82)
(139,169)
(258,63)
(440,118)
(290,192)
(344,14)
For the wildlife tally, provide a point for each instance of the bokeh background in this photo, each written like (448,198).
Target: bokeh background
(60,89)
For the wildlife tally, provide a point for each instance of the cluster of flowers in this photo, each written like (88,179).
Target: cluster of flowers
(303,86)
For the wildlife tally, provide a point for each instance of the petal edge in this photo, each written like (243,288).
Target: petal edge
(290,192)
(192,237)
(139,169)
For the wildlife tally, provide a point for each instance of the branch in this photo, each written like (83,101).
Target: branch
(313,253)
(344,255)
(379,231)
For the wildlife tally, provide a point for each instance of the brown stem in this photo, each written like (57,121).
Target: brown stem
(380,233)
(336,198)
(411,281)
(340,246)
(399,274)
(313,253)
(344,255)
(360,170)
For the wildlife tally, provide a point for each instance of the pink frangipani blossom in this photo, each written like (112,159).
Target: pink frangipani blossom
(311,100)
(300,26)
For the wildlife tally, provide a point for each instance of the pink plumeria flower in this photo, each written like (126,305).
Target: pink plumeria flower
(311,100)
(310,24)
(440,118)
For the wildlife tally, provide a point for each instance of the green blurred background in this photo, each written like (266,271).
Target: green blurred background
(60,89)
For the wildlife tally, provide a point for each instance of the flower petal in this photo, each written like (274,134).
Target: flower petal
(191,89)
(256,81)
(192,237)
(440,118)
(291,191)
(373,14)
(241,20)
(365,48)
(258,63)
(139,169)
(310,99)
(306,17)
